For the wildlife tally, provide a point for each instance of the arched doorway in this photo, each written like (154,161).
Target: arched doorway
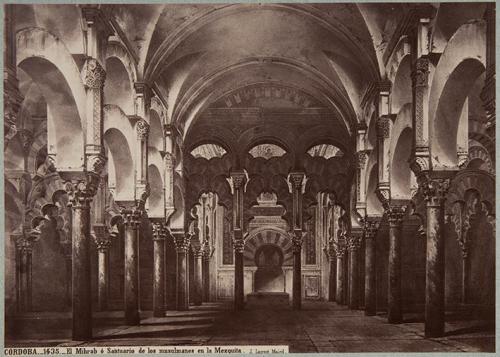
(268,255)
(269,276)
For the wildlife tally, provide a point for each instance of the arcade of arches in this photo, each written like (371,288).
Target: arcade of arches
(166,157)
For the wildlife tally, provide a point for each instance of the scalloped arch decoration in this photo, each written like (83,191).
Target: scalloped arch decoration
(208,151)
(326,151)
(266,151)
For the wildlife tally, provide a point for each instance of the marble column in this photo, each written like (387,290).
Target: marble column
(198,275)
(81,187)
(395,215)
(370,231)
(24,245)
(296,180)
(206,276)
(297,270)
(434,188)
(159,235)
(132,219)
(239,246)
(238,180)
(332,276)
(353,245)
(340,250)
(103,242)
(181,240)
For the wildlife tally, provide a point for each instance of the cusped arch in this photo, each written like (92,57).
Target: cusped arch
(268,236)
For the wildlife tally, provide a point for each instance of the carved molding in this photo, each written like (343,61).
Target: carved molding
(93,74)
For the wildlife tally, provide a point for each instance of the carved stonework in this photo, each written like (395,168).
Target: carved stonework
(238,245)
(131,216)
(238,180)
(142,128)
(434,190)
(93,74)
(371,226)
(102,238)
(95,163)
(354,241)
(384,196)
(27,139)
(181,241)
(159,231)
(296,179)
(297,241)
(419,164)
(81,189)
(383,127)
(420,75)
(396,214)
(361,159)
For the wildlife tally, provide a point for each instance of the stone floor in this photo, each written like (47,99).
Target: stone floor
(318,327)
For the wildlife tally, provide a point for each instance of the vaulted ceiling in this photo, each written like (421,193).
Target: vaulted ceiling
(272,57)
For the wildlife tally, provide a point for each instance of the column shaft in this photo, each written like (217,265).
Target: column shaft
(394,308)
(434,289)
(81,280)
(340,279)
(206,279)
(239,297)
(353,279)
(297,279)
(159,277)
(434,186)
(131,288)
(102,283)
(198,280)
(181,246)
(332,277)
(370,277)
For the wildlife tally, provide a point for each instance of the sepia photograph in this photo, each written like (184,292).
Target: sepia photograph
(249,178)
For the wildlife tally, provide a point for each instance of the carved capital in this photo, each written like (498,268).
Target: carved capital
(361,159)
(238,245)
(80,187)
(395,214)
(354,241)
(24,242)
(296,179)
(142,128)
(27,139)
(159,230)
(434,189)
(181,241)
(131,217)
(297,239)
(383,127)
(340,248)
(95,163)
(371,226)
(101,236)
(93,74)
(420,75)
(238,179)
